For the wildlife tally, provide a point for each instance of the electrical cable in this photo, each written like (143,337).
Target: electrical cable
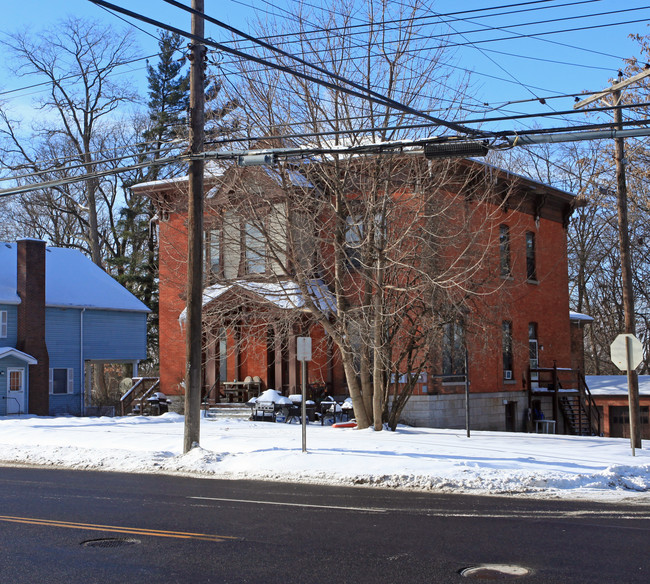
(387,102)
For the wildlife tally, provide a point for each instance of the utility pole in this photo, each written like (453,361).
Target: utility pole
(195,236)
(624,247)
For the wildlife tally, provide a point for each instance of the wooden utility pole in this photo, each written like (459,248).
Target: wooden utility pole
(624,245)
(195,236)
(626,273)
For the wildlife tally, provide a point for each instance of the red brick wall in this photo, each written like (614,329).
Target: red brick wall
(173,283)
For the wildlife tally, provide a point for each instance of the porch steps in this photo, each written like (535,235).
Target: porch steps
(575,415)
(226,410)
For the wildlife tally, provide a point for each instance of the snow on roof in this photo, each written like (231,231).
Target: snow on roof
(71,280)
(615,384)
(284,294)
(579,316)
(11,352)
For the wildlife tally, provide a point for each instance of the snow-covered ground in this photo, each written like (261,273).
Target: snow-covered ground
(411,458)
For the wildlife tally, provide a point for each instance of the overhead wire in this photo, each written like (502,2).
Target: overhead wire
(367,95)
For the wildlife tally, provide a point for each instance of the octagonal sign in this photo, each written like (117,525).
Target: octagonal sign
(619,350)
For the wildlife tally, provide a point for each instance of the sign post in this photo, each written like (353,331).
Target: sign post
(304,355)
(627,353)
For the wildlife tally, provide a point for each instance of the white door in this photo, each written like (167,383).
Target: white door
(533,349)
(15,391)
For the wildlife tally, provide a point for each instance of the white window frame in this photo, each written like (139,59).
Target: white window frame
(4,318)
(69,380)
(20,371)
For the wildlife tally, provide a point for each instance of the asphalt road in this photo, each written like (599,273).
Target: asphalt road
(69,527)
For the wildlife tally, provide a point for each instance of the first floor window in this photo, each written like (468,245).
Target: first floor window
(453,351)
(3,324)
(16,379)
(506,342)
(61,380)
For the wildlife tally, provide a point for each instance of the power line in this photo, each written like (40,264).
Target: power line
(387,102)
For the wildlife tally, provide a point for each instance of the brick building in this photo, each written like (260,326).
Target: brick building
(522,323)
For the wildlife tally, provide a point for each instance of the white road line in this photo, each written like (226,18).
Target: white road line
(284,504)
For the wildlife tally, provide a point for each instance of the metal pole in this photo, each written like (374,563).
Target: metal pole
(626,276)
(304,406)
(195,238)
(467,393)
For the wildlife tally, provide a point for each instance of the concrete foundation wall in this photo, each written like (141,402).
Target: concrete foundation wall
(487,411)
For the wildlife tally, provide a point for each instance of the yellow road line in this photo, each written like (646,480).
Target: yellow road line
(117,529)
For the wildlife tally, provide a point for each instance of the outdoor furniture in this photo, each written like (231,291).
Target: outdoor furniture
(241,391)
(295,409)
(545,426)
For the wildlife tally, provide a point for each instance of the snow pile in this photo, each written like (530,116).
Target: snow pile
(411,458)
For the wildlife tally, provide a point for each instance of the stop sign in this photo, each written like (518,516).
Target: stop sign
(619,351)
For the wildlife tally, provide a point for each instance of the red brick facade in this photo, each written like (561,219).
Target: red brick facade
(539,303)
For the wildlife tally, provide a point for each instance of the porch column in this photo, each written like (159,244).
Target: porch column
(277,342)
(293,364)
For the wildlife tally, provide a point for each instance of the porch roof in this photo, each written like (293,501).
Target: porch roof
(283,294)
(12,352)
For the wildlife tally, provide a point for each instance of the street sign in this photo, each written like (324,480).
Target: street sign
(619,351)
(303,348)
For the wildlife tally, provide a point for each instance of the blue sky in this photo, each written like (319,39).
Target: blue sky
(511,70)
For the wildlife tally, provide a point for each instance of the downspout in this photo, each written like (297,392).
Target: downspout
(82,373)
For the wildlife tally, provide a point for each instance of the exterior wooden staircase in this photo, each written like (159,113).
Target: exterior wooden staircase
(570,398)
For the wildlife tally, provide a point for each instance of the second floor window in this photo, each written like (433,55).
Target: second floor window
(212,251)
(255,252)
(531,268)
(504,250)
(3,324)
(353,237)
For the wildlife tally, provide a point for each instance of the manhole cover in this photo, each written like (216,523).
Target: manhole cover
(110,542)
(494,572)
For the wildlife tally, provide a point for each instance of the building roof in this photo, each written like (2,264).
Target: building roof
(578,316)
(603,385)
(71,281)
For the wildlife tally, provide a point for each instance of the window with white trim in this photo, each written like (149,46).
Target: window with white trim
(16,379)
(61,380)
(3,324)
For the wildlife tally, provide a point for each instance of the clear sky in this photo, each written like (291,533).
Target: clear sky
(519,68)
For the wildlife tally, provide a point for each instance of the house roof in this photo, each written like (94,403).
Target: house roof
(11,352)
(71,281)
(603,385)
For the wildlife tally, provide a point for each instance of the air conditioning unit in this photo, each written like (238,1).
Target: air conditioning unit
(507,374)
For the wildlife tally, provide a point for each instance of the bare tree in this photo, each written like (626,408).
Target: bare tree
(387,252)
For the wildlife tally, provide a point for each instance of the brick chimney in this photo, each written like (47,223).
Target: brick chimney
(31,321)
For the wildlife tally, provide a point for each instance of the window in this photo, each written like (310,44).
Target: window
(506,343)
(533,353)
(3,324)
(212,251)
(504,250)
(16,379)
(353,237)
(61,381)
(255,250)
(531,269)
(453,351)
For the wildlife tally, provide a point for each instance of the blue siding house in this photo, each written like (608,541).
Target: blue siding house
(59,312)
